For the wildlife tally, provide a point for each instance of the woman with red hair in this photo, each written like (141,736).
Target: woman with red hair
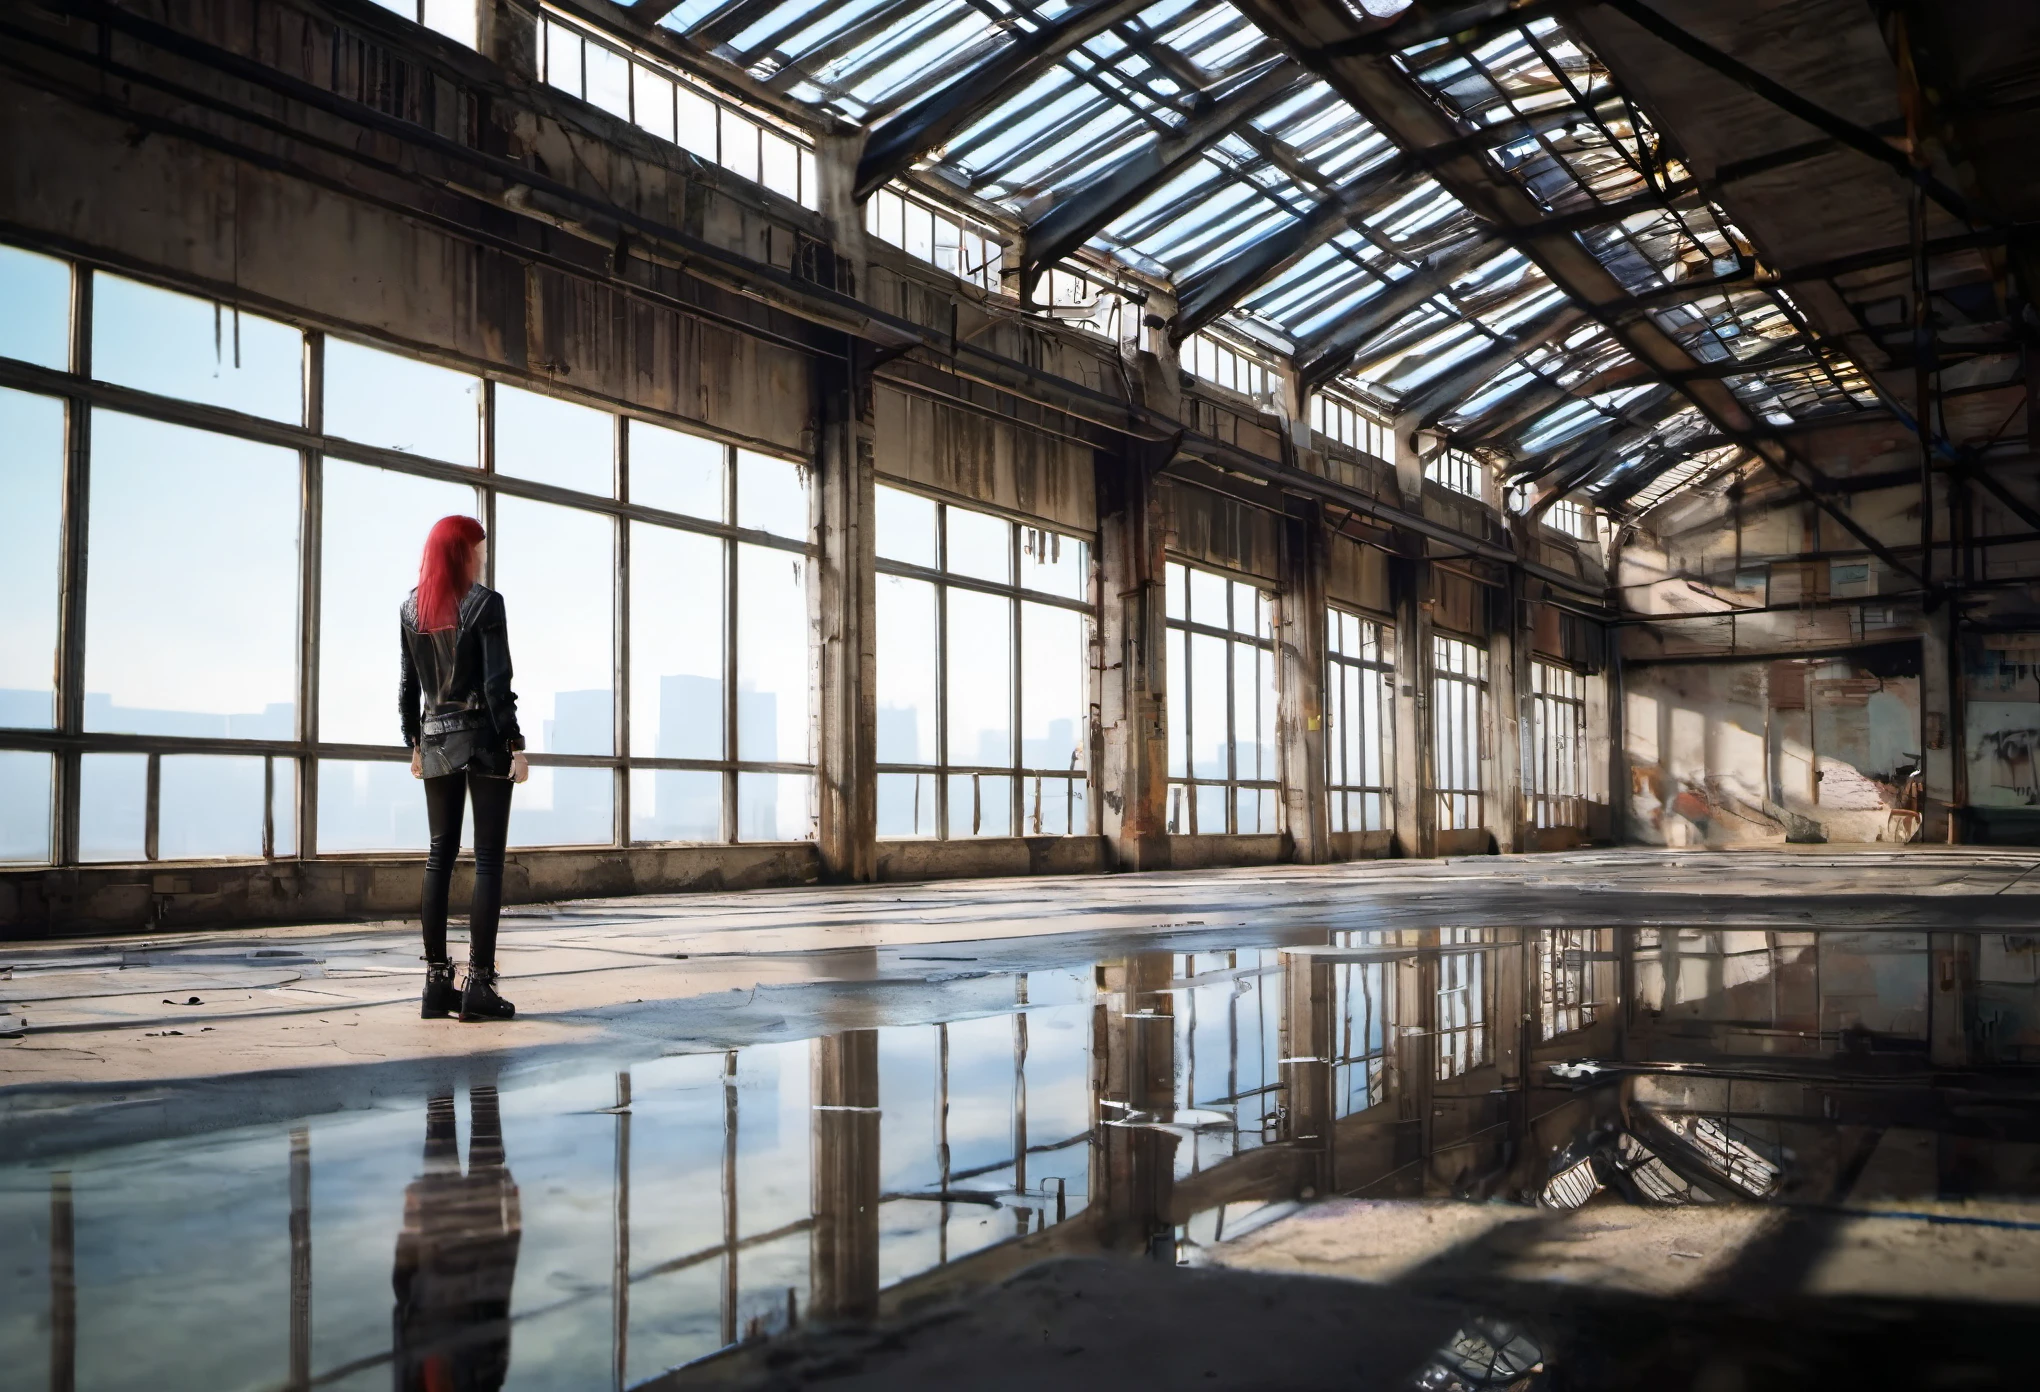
(466,745)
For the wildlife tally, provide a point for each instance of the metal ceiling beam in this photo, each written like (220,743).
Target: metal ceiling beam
(930,122)
(1401,110)
(1790,102)
(1325,357)
(1205,298)
(1080,214)
(1472,23)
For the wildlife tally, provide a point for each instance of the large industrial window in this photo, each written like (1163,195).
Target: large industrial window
(1338,419)
(1359,681)
(1221,675)
(1220,363)
(1558,727)
(1459,674)
(1463,1040)
(984,633)
(959,245)
(1459,471)
(1360,1058)
(666,103)
(656,583)
(1572,517)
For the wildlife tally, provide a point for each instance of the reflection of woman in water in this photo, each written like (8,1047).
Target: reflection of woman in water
(457,1257)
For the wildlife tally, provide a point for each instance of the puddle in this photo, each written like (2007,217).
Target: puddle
(560,1225)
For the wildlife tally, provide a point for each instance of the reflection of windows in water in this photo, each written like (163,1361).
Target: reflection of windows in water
(1568,979)
(1360,1049)
(1463,1043)
(1228,1011)
(1486,1353)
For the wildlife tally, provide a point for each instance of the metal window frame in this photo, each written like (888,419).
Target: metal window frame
(1337,714)
(68,742)
(1558,727)
(943,769)
(1184,818)
(1459,703)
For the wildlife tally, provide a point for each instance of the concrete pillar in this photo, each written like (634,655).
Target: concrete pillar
(845,601)
(1134,1062)
(1414,1059)
(1951,964)
(1415,814)
(506,32)
(1310,1006)
(1942,712)
(846,595)
(843,1244)
(1130,749)
(1300,686)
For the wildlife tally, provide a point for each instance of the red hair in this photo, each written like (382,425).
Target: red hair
(446,570)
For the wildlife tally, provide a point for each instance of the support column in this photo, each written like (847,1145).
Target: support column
(846,595)
(1300,684)
(1950,964)
(1134,1063)
(1130,749)
(1310,1004)
(1415,814)
(843,1244)
(1946,756)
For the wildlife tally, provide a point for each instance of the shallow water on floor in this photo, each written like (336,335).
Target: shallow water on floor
(561,1225)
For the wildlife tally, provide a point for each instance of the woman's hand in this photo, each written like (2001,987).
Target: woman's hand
(417,762)
(519,769)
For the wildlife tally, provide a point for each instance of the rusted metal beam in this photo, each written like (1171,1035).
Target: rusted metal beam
(894,146)
(1077,216)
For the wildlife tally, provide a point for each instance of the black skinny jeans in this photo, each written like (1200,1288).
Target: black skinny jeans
(444,802)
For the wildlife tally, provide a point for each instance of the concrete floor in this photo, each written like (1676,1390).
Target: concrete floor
(196,1126)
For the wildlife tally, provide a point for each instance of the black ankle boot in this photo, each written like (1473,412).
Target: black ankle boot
(441,997)
(480,1001)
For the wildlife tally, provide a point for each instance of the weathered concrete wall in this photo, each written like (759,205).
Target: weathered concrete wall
(1738,753)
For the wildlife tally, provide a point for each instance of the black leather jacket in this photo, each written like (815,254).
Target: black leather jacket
(461,675)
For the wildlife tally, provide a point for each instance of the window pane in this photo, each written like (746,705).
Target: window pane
(184,636)
(25,776)
(391,402)
(1177,579)
(781,165)
(1054,563)
(373,533)
(113,797)
(1053,807)
(1208,724)
(906,804)
(980,681)
(1179,705)
(980,804)
(906,671)
(979,545)
(548,440)
(1054,691)
(676,647)
(677,472)
(31,537)
(905,527)
(564,807)
(653,101)
(556,568)
(453,18)
(696,129)
(1246,605)
(1207,598)
(772,658)
(37,292)
(209,805)
(1211,799)
(374,806)
(198,350)
(608,80)
(739,145)
(675,805)
(283,807)
(775,807)
(772,495)
(562,56)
